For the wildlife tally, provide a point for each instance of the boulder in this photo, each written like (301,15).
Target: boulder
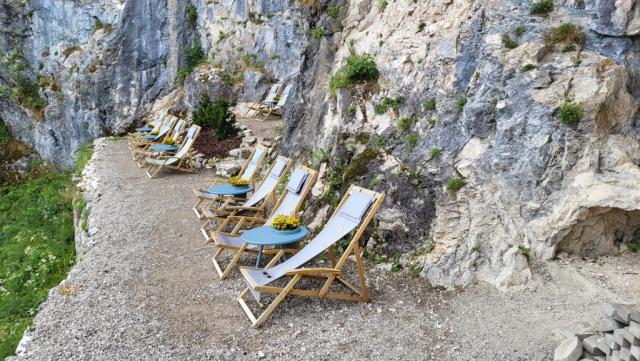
(569,350)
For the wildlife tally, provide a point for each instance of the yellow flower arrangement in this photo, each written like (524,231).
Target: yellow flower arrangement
(169,141)
(285,223)
(238,182)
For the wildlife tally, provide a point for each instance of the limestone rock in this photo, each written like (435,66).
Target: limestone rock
(569,350)
(228,167)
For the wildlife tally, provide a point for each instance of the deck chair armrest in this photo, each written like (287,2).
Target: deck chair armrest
(310,271)
(246,218)
(241,208)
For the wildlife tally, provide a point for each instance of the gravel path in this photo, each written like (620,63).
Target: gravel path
(147,291)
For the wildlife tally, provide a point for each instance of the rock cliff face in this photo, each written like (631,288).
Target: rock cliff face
(468,109)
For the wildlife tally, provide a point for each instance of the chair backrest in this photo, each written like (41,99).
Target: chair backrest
(192,134)
(178,129)
(273,93)
(285,94)
(270,181)
(166,127)
(252,164)
(349,215)
(296,190)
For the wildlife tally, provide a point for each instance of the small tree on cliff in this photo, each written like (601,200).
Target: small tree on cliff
(216,116)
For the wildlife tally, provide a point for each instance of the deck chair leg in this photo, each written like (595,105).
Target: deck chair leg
(327,285)
(151,173)
(275,259)
(364,291)
(281,296)
(233,262)
(195,208)
(214,260)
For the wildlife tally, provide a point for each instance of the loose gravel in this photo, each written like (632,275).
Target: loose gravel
(146,290)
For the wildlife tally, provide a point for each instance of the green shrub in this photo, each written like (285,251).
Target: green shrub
(5,136)
(387,103)
(568,48)
(519,31)
(358,69)
(333,11)
(193,57)
(455,184)
(528,67)
(379,142)
(436,153)
(509,43)
(570,112)
(216,116)
(191,13)
(431,121)
(412,140)
(404,123)
(318,32)
(542,7)
(565,33)
(460,103)
(633,246)
(430,104)
(97,24)
(525,251)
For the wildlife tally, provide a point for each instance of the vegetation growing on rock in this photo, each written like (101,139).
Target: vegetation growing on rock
(542,7)
(216,116)
(570,112)
(191,13)
(455,184)
(565,33)
(358,69)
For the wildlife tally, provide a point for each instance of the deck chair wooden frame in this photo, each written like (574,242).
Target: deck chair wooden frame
(214,181)
(183,158)
(279,106)
(269,100)
(160,118)
(329,274)
(216,215)
(166,128)
(239,223)
(177,133)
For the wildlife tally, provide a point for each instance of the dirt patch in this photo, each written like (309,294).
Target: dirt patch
(208,145)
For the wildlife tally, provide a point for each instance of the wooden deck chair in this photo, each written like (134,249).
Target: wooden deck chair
(300,183)
(269,101)
(217,185)
(256,205)
(154,124)
(158,122)
(152,137)
(278,108)
(182,160)
(354,213)
(175,134)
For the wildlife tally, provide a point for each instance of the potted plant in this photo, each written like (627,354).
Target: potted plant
(169,141)
(238,182)
(286,224)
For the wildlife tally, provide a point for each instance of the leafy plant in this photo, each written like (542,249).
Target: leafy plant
(509,43)
(379,142)
(633,246)
(396,266)
(570,112)
(358,69)
(475,248)
(191,13)
(412,140)
(568,48)
(431,121)
(216,116)
(455,184)
(387,103)
(564,33)
(460,103)
(542,7)
(382,4)
(193,57)
(318,32)
(82,156)
(525,251)
(97,24)
(404,123)
(415,270)
(436,153)
(519,31)
(333,11)
(285,223)
(421,26)
(528,67)
(430,104)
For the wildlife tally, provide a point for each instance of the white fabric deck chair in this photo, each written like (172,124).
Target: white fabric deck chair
(269,101)
(278,108)
(182,160)
(151,138)
(247,172)
(256,204)
(354,213)
(153,126)
(300,183)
